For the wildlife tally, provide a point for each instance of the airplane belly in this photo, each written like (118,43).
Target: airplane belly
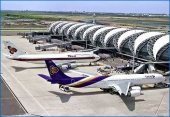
(84,60)
(101,84)
(36,62)
(75,60)
(62,61)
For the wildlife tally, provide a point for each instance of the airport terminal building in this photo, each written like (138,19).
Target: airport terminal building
(143,44)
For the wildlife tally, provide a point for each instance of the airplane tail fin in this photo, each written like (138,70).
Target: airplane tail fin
(12,49)
(56,74)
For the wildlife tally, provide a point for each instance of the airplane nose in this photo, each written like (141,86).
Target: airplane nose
(165,79)
(162,77)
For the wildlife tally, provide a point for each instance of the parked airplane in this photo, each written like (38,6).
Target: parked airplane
(127,85)
(67,57)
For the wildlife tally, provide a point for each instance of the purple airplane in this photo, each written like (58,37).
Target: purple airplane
(57,76)
(127,84)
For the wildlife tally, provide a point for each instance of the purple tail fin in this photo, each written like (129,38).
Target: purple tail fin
(55,72)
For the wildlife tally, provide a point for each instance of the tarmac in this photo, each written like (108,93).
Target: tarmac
(9,103)
(39,97)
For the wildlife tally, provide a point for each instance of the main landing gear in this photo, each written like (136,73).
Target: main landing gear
(64,88)
(161,85)
(111,90)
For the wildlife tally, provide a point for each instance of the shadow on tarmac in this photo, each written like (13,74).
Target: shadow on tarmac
(18,69)
(64,97)
(130,102)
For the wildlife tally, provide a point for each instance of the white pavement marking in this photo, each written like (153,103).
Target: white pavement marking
(156,114)
(26,90)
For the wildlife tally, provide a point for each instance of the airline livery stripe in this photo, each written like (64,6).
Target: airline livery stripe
(92,81)
(42,59)
(89,82)
(87,79)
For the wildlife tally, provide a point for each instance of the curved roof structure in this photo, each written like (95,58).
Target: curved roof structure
(89,30)
(58,26)
(81,28)
(143,38)
(52,26)
(100,31)
(111,34)
(147,45)
(159,44)
(125,36)
(74,27)
(66,27)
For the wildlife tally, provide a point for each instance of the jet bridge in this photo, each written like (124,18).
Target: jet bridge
(82,43)
(44,47)
(34,34)
(47,38)
(39,38)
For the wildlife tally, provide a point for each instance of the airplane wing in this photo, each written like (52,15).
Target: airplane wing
(121,88)
(65,63)
(83,73)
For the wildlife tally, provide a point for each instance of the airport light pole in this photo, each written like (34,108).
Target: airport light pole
(94,21)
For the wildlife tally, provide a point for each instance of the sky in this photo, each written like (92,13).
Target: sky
(158,7)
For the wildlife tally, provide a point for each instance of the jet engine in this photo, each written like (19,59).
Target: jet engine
(135,91)
(67,67)
(72,66)
(64,67)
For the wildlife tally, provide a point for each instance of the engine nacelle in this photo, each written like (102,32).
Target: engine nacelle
(135,91)
(64,67)
(72,66)
(136,88)
(67,67)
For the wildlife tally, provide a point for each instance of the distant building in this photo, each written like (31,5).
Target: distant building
(148,45)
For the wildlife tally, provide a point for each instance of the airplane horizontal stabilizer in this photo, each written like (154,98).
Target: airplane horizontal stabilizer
(45,77)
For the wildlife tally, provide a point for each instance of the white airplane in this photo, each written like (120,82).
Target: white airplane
(67,57)
(128,85)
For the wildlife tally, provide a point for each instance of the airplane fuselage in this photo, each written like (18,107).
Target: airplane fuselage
(127,84)
(107,82)
(61,57)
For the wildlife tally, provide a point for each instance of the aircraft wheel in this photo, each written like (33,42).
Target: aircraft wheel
(66,89)
(155,86)
(111,92)
(105,90)
(166,85)
(159,85)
